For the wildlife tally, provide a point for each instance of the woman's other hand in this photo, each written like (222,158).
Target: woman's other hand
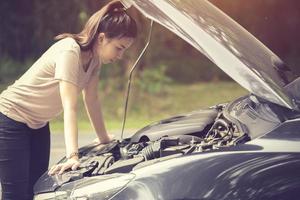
(72,163)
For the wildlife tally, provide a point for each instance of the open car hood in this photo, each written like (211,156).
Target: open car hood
(224,42)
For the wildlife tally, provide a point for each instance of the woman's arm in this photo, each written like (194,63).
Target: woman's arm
(93,108)
(69,97)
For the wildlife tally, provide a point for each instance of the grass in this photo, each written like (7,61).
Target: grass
(145,108)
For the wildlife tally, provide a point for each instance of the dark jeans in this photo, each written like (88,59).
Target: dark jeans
(24,157)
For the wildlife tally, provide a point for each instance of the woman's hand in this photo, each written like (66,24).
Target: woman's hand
(72,163)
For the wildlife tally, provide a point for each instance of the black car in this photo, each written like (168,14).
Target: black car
(246,149)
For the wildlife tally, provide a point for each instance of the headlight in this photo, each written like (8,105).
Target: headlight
(101,190)
(90,188)
(51,196)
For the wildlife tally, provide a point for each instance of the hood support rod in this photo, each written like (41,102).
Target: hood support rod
(130,77)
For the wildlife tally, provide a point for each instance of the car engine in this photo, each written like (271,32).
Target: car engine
(125,156)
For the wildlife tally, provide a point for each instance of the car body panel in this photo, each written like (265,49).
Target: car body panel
(222,176)
(224,42)
(189,123)
(265,168)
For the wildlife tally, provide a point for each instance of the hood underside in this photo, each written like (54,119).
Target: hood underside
(224,42)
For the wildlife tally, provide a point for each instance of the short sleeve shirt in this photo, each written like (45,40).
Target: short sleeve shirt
(34,98)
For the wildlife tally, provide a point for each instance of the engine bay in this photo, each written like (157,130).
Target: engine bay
(213,129)
(122,156)
(127,155)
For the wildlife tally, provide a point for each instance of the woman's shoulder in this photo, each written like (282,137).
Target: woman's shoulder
(67,43)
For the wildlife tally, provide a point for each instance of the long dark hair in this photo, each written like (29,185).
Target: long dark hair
(112,20)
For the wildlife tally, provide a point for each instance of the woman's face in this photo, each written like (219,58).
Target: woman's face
(111,49)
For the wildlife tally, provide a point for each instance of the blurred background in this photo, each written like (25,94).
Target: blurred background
(171,78)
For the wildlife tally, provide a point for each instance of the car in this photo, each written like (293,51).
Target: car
(245,149)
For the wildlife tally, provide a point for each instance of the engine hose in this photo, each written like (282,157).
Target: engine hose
(148,152)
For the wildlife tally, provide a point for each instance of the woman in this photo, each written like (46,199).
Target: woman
(52,85)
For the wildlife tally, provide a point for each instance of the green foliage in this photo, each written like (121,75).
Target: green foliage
(153,80)
(10,69)
(192,70)
(183,63)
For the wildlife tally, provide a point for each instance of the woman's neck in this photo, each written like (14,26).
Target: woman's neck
(86,57)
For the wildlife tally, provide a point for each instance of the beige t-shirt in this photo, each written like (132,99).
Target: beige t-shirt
(34,98)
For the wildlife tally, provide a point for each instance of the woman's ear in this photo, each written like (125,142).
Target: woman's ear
(101,37)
